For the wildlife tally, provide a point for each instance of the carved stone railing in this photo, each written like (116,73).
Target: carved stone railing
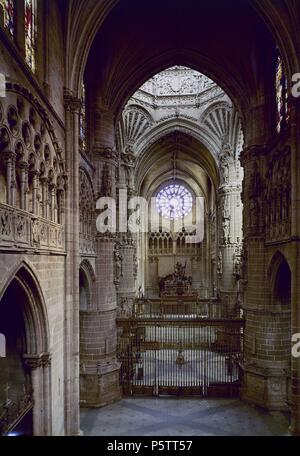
(21,229)
(186,307)
(11,413)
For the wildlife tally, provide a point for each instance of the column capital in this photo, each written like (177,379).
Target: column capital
(72,103)
(22,165)
(34,173)
(37,361)
(32,361)
(8,156)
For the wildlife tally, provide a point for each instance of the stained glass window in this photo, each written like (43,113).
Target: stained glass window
(82,120)
(30,32)
(8,10)
(174,201)
(281,94)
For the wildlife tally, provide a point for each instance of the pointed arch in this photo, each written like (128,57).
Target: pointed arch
(23,282)
(35,315)
(279,274)
(87,280)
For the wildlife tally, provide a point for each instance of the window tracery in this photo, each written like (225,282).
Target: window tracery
(174,201)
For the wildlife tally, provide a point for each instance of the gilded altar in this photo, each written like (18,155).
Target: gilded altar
(176,284)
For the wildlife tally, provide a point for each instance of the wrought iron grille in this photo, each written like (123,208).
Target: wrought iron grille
(12,412)
(166,350)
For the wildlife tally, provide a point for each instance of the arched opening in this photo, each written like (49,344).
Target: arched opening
(15,381)
(230,68)
(274,342)
(181,127)
(183,135)
(89,335)
(25,370)
(84,292)
(282,285)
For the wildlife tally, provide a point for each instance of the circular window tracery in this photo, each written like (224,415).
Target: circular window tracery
(174,201)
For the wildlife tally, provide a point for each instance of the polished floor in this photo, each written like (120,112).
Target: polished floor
(182,417)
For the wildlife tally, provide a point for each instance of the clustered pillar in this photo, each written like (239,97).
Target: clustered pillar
(99,380)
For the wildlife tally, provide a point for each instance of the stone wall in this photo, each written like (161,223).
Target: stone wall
(49,272)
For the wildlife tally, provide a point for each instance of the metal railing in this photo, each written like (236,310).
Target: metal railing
(12,412)
(181,346)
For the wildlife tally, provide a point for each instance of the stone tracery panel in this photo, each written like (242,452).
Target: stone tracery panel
(33,175)
(87,214)
(277,195)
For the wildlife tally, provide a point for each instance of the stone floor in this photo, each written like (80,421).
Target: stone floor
(186,417)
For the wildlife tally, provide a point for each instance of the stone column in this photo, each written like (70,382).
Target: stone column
(98,339)
(46,365)
(295,247)
(52,189)
(230,226)
(266,363)
(35,184)
(9,159)
(23,170)
(60,206)
(126,286)
(128,246)
(71,331)
(39,369)
(13,181)
(253,388)
(44,182)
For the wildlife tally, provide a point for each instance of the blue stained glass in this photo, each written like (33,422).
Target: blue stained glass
(174,202)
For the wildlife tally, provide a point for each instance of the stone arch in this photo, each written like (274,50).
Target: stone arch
(190,146)
(35,354)
(280,276)
(186,127)
(87,280)
(83,29)
(36,316)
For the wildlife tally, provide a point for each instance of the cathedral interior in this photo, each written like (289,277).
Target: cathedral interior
(186,114)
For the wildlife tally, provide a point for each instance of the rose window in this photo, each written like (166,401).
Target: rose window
(174,201)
